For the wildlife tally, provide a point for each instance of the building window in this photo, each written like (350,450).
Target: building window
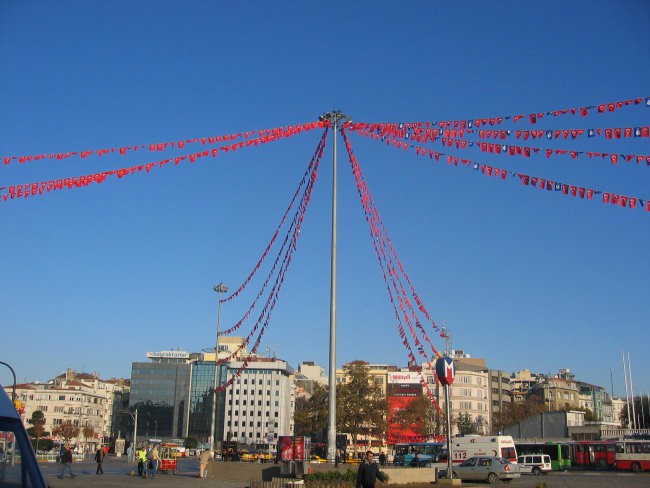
(260,382)
(276,414)
(259,392)
(277,382)
(268,403)
(259,403)
(277,403)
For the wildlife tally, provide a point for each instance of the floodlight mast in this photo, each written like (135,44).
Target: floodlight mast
(337,120)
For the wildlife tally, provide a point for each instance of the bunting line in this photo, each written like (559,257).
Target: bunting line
(38,188)
(468,123)
(543,183)
(270,134)
(388,135)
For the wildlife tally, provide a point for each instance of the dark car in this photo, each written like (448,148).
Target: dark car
(491,469)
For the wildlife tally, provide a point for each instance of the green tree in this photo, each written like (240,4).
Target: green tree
(361,406)
(465,424)
(67,430)
(310,417)
(38,422)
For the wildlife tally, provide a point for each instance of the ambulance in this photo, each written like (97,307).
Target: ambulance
(466,446)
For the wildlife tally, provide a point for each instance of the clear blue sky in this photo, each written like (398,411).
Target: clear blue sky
(94,278)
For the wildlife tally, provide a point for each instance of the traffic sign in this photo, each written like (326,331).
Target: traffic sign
(445,370)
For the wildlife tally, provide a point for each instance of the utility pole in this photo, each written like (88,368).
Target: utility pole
(337,120)
(220,288)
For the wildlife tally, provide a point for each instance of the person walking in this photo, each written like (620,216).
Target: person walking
(66,460)
(204,457)
(129,454)
(153,460)
(368,472)
(99,459)
(141,457)
(382,458)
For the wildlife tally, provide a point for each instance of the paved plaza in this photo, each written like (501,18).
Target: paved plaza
(117,474)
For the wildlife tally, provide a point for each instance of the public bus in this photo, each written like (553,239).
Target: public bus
(591,454)
(426,452)
(633,454)
(466,446)
(559,452)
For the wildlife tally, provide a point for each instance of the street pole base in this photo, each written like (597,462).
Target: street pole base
(450,482)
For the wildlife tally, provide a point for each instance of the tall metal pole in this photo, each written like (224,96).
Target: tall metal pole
(135,430)
(627,394)
(331,422)
(337,119)
(220,288)
(449,453)
(629,370)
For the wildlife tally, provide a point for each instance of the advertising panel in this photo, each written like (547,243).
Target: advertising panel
(285,447)
(402,389)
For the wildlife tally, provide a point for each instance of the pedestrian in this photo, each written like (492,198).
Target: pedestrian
(66,460)
(382,458)
(129,454)
(368,473)
(99,459)
(141,456)
(204,457)
(153,460)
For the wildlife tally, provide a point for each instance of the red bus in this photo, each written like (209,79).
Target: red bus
(633,455)
(592,454)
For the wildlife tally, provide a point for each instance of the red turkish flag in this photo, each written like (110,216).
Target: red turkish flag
(574,190)
(582,192)
(590,194)
(633,202)
(606,197)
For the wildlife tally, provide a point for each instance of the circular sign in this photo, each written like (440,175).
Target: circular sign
(445,370)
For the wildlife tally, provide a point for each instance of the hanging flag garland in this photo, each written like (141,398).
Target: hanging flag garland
(265,135)
(544,183)
(468,123)
(38,188)
(263,319)
(393,137)
(387,257)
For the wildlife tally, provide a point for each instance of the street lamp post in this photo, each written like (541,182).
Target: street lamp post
(220,288)
(134,416)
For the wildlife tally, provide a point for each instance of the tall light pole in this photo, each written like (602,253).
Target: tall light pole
(220,288)
(337,119)
(134,416)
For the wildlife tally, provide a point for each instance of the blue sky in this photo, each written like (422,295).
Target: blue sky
(95,277)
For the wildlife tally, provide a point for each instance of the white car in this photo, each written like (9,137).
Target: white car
(534,463)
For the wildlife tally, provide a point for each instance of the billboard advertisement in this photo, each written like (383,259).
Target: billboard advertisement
(402,389)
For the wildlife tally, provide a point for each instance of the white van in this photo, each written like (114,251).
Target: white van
(534,463)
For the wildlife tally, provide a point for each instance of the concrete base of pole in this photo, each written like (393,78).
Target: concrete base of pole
(451,482)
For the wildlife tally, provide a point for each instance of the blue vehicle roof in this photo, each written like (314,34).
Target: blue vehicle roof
(7,408)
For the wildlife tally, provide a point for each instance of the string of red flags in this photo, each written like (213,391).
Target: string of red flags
(393,271)
(26,190)
(533,118)
(263,135)
(264,317)
(302,183)
(306,184)
(548,184)
(393,136)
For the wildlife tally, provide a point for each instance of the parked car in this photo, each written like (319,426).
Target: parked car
(491,469)
(534,463)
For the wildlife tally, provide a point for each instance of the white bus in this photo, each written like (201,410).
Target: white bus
(466,446)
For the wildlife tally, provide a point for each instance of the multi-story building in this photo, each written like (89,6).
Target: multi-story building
(592,397)
(500,393)
(522,383)
(260,402)
(83,399)
(173,393)
(378,374)
(558,393)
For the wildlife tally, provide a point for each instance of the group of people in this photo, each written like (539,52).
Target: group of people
(148,460)
(65,457)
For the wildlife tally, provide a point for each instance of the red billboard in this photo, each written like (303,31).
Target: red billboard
(403,388)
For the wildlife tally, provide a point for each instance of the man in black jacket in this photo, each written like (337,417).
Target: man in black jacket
(66,460)
(368,472)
